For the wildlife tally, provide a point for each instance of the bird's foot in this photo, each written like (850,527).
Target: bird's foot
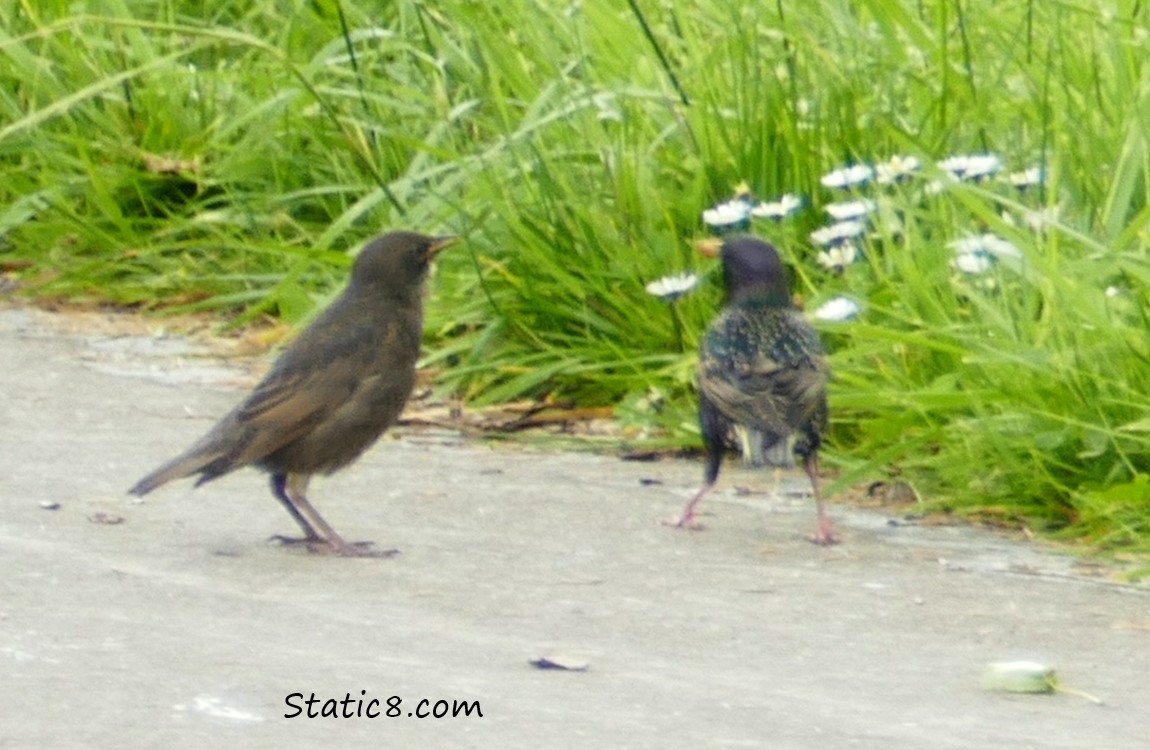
(320,546)
(351,549)
(684,522)
(823,538)
(292,541)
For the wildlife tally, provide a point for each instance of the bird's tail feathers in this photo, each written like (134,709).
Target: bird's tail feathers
(780,454)
(181,466)
(764,449)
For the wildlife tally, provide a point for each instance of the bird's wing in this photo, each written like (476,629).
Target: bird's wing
(282,409)
(299,393)
(771,378)
(753,397)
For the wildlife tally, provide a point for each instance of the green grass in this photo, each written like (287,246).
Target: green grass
(228,155)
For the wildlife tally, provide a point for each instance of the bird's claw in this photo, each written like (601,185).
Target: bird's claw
(684,522)
(320,546)
(354,549)
(289,541)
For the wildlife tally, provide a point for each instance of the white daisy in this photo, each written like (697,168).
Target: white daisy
(971,167)
(779,209)
(978,253)
(855,174)
(1041,219)
(972,262)
(896,169)
(728,215)
(850,209)
(837,310)
(1026,178)
(837,233)
(672,287)
(839,256)
(986,243)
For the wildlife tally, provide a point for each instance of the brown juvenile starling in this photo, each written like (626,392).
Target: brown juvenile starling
(761,367)
(331,393)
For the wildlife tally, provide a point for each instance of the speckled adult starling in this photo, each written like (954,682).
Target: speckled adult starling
(761,367)
(331,393)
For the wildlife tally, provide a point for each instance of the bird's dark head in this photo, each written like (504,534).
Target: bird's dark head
(752,268)
(397,261)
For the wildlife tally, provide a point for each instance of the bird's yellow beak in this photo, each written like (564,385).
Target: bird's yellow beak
(440,244)
(710,247)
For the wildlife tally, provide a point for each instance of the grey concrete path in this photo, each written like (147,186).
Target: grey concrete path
(181,627)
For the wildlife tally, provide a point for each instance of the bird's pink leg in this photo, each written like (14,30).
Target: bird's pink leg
(824,535)
(687,519)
